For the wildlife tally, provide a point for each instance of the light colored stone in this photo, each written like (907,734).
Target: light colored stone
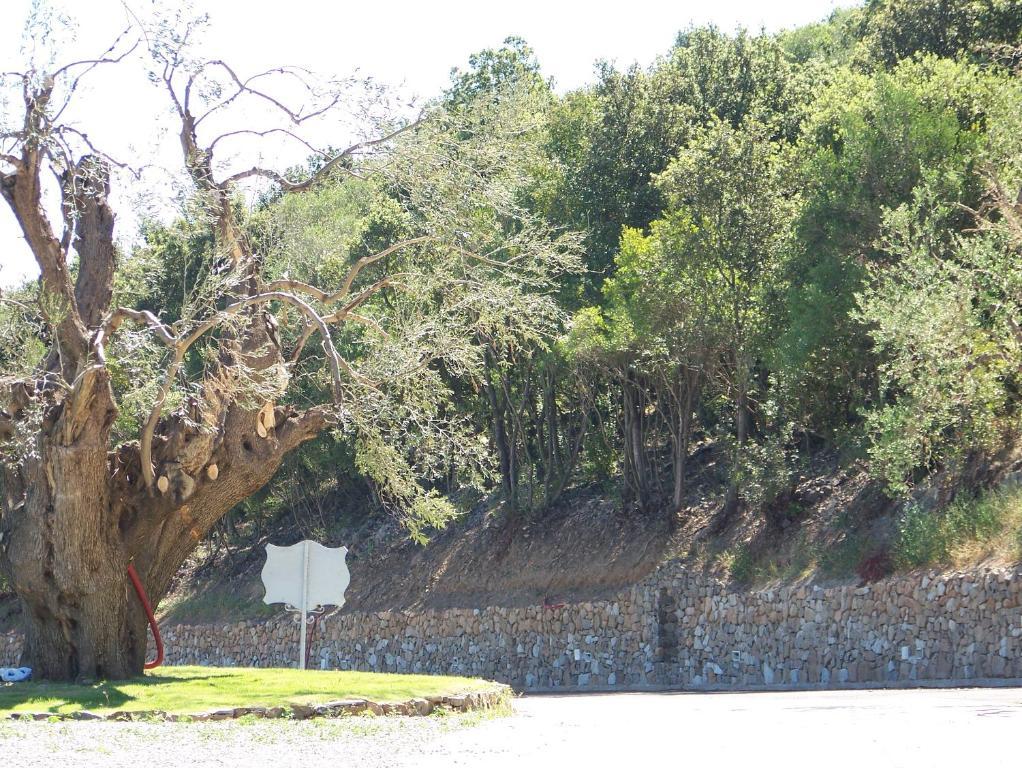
(830,636)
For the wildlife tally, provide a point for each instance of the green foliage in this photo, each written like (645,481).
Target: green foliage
(397,484)
(793,240)
(655,301)
(463,178)
(752,270)
(510,68)
(463,265)
(920,538)
(614,139)
(733,185)
(317,237)
(930,537)
(172,267)
(842,558)
(944,323)
(830,42)
(741,564)
(766,470)
(21,326)
(733,78)
(943,320)
(892,30)
(868,144)
(753,565)
(770,241)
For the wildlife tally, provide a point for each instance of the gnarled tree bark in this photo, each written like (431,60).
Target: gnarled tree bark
(77,509)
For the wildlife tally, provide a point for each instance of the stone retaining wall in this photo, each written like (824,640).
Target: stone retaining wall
(675,629)
(908,628)
(609,643)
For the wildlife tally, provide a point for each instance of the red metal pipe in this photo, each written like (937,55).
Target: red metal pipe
(140,591)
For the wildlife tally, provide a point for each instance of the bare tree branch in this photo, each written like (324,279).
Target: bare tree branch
(67,129)
(143,317)
(245,86)
(362,263)
(103,58)
(344,312)
(349,152)
(255,172)
(91,64)
(313,178)
(267,132)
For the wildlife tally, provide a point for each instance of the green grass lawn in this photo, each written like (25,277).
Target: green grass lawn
(189,690)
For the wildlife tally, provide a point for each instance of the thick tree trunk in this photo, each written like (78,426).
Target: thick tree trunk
(79,619)
(63,550)
(83,630)
(76,516)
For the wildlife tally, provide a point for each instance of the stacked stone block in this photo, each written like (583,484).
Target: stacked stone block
(674,629)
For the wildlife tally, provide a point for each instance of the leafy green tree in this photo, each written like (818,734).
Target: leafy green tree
(868,143)
(662,345)
(536,446)
(733,185)
(832,42)
(944,321)
(892,30)
(511,68)
(945,314)
(615,138)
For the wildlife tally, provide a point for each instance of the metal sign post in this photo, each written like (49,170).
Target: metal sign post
(304,616)
(306,577)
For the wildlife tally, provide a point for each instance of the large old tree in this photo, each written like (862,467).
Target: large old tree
(81,501)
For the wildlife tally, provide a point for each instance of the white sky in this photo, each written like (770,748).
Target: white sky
(413,43)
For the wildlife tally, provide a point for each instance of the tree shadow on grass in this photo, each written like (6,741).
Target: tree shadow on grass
(68,697)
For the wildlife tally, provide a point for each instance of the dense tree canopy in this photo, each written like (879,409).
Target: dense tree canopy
(767,246)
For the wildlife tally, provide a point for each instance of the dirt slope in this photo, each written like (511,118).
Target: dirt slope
(834,526)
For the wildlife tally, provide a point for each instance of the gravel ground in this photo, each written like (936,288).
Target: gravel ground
(356,741)
(832,728)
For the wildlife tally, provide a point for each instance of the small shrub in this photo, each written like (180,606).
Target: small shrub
(991,522)
(748,564)
(919,540)
(765,473)
(743,565)
(843,557)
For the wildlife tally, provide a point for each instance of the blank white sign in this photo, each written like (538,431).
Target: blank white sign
(284,572)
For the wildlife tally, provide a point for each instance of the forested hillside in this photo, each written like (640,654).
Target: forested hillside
(786,284)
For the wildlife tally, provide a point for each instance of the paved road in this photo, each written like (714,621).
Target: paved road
(865,729)
(878,729)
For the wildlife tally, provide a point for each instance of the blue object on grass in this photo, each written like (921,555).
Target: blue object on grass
(15,674)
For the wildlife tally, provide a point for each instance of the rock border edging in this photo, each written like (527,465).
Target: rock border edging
(419,707)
